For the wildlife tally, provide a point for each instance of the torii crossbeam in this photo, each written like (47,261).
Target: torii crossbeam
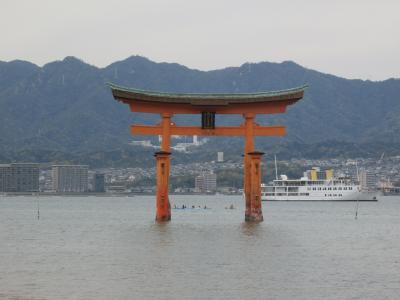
(208,105)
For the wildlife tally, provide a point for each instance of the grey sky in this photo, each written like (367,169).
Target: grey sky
(353,38)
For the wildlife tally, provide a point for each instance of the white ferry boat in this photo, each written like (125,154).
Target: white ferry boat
(312,187)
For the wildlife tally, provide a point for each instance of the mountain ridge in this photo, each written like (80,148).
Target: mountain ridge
(285,62)
(66,105)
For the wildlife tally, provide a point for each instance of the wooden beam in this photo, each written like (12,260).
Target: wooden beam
(272,107)
(219,131)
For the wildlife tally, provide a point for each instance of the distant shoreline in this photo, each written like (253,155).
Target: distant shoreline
(89,194)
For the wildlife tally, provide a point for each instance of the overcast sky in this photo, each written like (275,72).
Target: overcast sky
(348,38)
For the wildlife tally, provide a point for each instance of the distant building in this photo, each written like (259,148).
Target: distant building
(368,179)
(220,156)
(19,177)
(316,174)
(116,189)
(5,178)
(70,178)
(98,183)
(195,140)
(206,183)
(146,143)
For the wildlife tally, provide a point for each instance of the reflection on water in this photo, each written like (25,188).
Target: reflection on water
(162,234)
(111,248)
(251,229)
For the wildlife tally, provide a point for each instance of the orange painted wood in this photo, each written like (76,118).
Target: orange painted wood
(219,131)
(179,108)
(165,131)
(248,147)
(163,207)
(255,211)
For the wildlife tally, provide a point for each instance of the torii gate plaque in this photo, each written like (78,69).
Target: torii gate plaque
(208,105)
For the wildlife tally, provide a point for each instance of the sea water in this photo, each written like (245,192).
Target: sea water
(111,248)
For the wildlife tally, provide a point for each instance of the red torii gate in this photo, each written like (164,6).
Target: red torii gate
(248,105)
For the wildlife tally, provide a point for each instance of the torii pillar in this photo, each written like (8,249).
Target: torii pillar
(163,207)
(254,214)
(208,105)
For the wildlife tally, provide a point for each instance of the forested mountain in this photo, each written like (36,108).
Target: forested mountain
(67,107)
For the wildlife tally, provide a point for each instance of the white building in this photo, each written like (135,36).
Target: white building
(195,141)
(70,178)
(145,143)
(368,180)
(206,183)
(220,156)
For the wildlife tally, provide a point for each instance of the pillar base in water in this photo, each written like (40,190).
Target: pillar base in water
(163,218)
(254,218)
(163,207)
(253,198)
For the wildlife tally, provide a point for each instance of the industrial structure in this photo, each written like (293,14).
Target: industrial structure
(208,105)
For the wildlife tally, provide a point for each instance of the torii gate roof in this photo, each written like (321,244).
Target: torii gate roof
(157,102)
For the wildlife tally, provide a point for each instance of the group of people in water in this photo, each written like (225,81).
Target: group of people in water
(193,207)
(199,207)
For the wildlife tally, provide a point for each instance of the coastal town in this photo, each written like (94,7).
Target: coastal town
(218,176)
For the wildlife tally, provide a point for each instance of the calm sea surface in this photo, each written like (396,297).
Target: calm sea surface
(111,248)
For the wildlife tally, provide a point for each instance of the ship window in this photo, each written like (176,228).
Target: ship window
(314,189)
(350,188)
(329,189)
(319,189)
(334,188)
(324,189)
(340,188)
(345,188)
(340,195)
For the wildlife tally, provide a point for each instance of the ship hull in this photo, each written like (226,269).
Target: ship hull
(356,196)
